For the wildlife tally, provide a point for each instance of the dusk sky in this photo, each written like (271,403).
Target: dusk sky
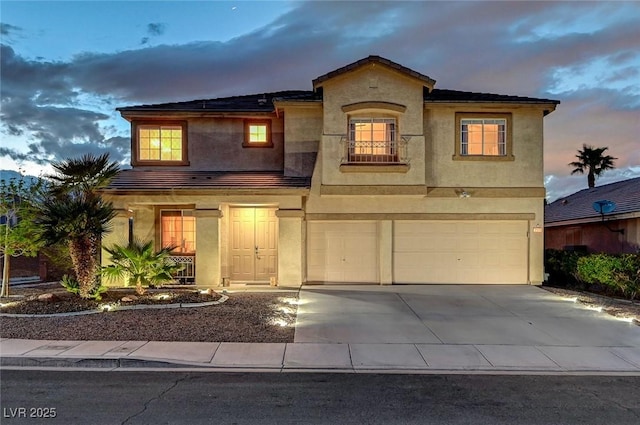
(66,66)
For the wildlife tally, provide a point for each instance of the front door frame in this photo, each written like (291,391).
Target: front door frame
(264,241)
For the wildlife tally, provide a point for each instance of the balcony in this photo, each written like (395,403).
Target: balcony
(382,152)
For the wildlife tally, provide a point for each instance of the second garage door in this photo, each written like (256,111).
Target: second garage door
(342,251)
(460,252)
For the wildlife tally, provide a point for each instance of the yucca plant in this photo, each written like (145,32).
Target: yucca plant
(140,264)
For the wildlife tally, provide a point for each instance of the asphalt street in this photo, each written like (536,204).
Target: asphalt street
(146,397)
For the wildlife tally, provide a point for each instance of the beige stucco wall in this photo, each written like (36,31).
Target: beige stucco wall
(372,84)
(216,144)
(290,247)
(302,132)
(526,170)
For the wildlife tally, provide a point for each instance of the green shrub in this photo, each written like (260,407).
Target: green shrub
(562,266)
(621,273)
(138,262)
(72,285)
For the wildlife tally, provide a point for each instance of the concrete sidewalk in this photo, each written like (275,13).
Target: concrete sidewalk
(402,329)
(400,358)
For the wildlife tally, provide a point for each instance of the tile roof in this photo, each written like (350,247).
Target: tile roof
(177,180)
(438,95)
(374,59)
(578,206)
(260,102)
(263,102)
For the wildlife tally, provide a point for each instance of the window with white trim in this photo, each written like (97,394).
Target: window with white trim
(483,136)
(480,136)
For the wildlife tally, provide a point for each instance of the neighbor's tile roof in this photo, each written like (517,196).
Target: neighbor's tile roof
(626,195)
(176,180)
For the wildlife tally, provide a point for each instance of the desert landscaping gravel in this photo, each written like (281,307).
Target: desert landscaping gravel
(244,317)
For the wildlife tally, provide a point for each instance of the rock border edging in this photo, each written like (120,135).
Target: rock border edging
(222,299)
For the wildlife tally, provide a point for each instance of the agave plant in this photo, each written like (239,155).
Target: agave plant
(140,264)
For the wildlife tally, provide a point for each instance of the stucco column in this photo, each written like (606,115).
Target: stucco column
(208,247)
(119,234)
(290,247)
(144,224)
(385,258)
(536,251)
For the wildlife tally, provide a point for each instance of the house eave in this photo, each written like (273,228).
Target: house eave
(193,113)
(210,192)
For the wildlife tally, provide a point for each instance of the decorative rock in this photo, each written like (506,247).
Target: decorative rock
(47,298)
(129,298)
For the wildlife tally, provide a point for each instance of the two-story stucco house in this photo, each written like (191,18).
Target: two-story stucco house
(373,176)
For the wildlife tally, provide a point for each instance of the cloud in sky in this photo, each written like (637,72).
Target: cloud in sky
(582,53)
(154,30)
(8,29)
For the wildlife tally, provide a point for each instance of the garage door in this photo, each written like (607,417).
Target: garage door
(342,251)
(460,252)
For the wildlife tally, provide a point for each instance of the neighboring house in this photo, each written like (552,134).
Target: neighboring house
(374,176)
(572,222)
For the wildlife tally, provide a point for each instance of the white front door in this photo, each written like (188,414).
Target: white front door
(254,244)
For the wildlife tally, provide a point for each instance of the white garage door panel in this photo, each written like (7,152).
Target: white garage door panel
(342,251)
(460,252)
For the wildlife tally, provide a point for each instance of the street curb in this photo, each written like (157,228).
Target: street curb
(132,364)
(95,363)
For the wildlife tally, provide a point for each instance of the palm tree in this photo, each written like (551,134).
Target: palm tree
(593,161)
(73,211)
(141,264)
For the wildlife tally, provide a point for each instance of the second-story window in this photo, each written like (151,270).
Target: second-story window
(372,140)
(160,143)
(257,134)
(483,137)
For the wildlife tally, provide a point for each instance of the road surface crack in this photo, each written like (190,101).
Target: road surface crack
(148,402)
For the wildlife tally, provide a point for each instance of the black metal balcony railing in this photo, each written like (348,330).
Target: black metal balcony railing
(188,273)
(374,152)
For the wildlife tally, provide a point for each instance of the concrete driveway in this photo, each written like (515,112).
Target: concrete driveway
(463,326)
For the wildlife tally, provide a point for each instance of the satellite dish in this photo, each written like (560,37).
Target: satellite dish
(604,207)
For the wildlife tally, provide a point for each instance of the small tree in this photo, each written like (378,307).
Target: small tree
(593,161)
(139,263)
(18,231)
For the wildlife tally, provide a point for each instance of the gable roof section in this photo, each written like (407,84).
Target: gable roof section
(160,181)
(578,206)
(261,102)
(428,81)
